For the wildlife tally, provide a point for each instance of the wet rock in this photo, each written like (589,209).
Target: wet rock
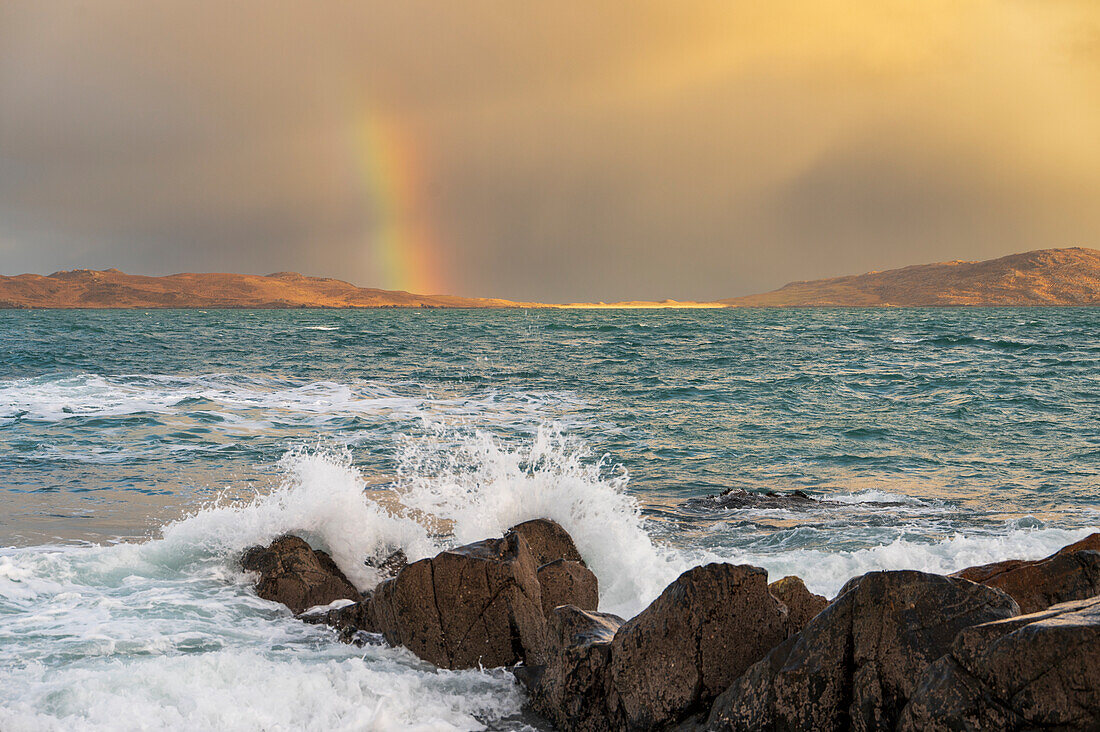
(1072,573)
(857,663)
(802,605)
(479,604)
(1089,543)
(293,573)
(983,572)
(390,564)
(564,582)
(734,498)
(344,616)
(573,689)
(548,541)
(1037,671)
(704,630)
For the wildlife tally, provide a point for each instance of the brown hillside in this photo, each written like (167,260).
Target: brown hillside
(1043,277)
(84,288)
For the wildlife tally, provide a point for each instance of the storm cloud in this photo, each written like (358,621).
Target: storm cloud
(562,151)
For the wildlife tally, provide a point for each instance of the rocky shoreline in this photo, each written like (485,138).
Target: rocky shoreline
(1012,645)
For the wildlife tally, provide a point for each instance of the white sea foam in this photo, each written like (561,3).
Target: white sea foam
(326,686)
(455,487)
(237,400)
(873,496)
(481,487)
(826,572)
(167,634)
(158,636)
(322,500)
(241,690)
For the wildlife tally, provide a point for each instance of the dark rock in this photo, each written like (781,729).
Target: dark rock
(1037,671)
(475,605)
(1089,543)
(1072,573)
(734,498)
(390,564)
(704,630)
(548,541)
(296,575)
(802,605)
(573,689)
(856,664)
(983,572)
(564,582)
(346,619)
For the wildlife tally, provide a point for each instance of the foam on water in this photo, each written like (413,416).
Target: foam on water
(826,572)
(480,487)
(321,499)
(55,398)
(168,633)
(453,488)
(247,691)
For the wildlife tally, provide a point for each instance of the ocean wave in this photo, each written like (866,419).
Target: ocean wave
(167,633)
(479,486)
(454,487)
(878,497)
(825,572)
(117,638)
(237,399)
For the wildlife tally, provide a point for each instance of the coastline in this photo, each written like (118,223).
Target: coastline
(721,648)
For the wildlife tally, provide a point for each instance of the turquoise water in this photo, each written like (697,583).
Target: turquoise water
(139,451)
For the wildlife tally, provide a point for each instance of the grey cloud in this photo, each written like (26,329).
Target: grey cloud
(571,151)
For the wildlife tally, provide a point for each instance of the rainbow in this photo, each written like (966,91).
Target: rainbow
(402,247)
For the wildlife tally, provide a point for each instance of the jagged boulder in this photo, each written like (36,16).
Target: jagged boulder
(704,630)
(389,563)
(548,541)
(564,582)
(802,605)
(346,617)
(293,573)
(479,604)
(573,689)
(739,498)
(856,664)
(1072,573)
(1037,671)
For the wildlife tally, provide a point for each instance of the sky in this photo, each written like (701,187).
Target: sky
(561,151)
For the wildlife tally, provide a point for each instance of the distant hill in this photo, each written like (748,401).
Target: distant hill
(1043,277)
(85,288)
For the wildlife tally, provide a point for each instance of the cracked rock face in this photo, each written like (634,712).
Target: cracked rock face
(1073,573)
(548,541)
(346,620)
(564,582)
(574,688)
(293,573)
(1029,672)
(856,664)
(802,605)
(704,630)
(479,604)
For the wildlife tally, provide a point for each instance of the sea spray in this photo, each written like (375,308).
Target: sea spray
(320,498)
(481,486)
(826,572)
(167,633)
(940,452)
(456,487)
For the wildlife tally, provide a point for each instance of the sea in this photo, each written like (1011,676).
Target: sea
(141,451)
